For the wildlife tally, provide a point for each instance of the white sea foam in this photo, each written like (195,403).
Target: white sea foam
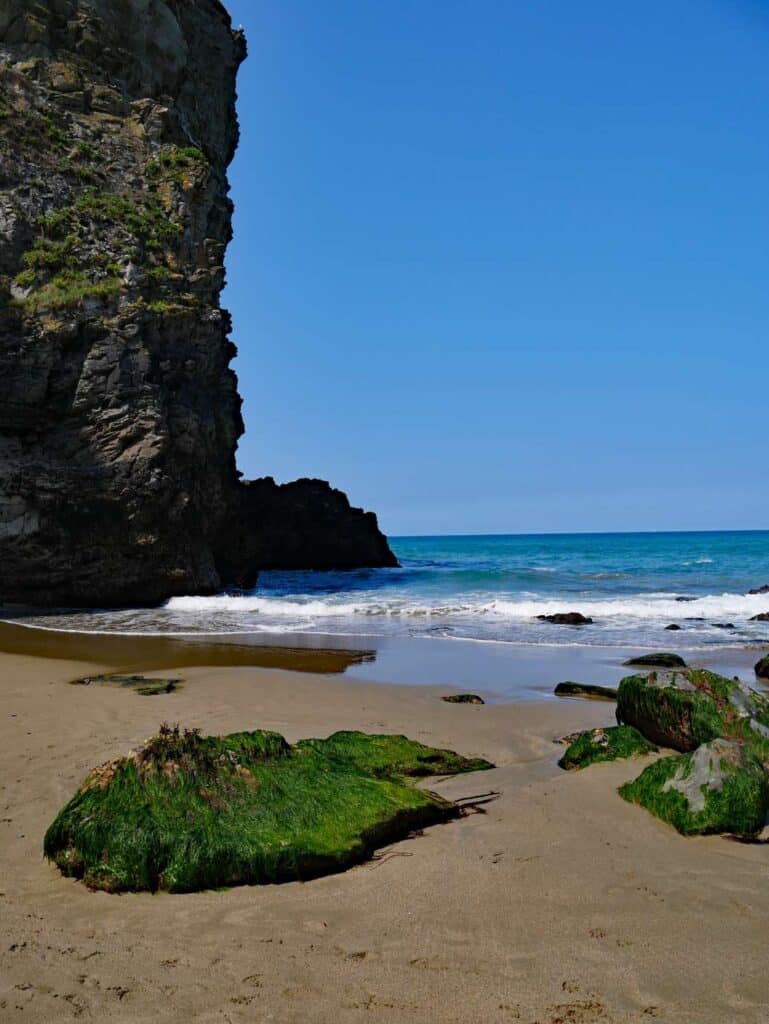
(633,607)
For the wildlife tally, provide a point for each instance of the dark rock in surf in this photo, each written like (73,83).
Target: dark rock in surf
(673,627)
(723,625)
(567,619)
(464,698)
(762,667)
(760,590)
(763,617)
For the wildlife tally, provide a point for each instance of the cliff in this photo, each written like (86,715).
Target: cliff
(119,413)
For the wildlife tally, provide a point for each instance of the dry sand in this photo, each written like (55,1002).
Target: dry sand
(560,905)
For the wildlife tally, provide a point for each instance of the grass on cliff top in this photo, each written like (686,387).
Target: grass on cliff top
(188,812)
(611,744)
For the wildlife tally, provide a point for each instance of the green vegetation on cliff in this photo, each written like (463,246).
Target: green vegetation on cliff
(188,812)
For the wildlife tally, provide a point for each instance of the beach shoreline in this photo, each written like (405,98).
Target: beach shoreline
(560,903)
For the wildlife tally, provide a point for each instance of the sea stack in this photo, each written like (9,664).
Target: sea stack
(119,412)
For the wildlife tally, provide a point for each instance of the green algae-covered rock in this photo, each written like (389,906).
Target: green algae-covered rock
(720,787)
(762,668)
(660,659)
(682,709)
(187,812)
(612,744)
(464,698)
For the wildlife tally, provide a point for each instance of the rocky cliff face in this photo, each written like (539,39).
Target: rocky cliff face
(119,413)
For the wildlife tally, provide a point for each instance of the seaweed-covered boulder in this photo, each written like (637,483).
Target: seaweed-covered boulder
(762,667)
(720,787)
(589,691)
(464,698)
(684,709)
(187,812)
(660,659)
(612,744)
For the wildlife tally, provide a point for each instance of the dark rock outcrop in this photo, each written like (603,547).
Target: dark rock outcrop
(119,413)
(760,590)
(590,691)
(660,659)
(763,617)
(762,668)
(567,619)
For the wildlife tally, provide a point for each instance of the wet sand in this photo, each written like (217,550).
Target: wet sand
(559,905)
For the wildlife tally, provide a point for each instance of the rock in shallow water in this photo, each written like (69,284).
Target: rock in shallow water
(587,690)
(464,698)
(187,812)
(567,619)
(762,667)
(660,659)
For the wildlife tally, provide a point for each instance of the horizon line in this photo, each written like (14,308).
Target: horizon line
(573,533)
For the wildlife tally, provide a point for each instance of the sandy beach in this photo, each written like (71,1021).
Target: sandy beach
(560,903)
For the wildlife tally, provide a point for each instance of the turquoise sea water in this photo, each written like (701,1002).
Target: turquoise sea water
(492,588)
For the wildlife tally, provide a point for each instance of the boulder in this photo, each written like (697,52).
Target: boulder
(760,590)
(683,709)
(464,698)
(587,690)
(187,812)
(673,626)
(719,787)
(761,617)
(567,619)
(762,667)
(612,744)
(723,625)
(659,659)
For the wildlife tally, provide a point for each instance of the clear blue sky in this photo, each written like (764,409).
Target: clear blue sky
(501,265)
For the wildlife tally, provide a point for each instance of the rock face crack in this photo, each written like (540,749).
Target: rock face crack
(119,412)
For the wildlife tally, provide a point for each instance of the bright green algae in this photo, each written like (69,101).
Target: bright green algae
(718,782)
(727,794)
(188,812)
(612,744)
(721,726)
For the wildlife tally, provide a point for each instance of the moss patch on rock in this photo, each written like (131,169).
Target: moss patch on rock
(669,709)
(720,787)
(612,744)
(187,812)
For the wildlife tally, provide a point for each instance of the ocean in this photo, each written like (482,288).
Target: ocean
(491,588)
